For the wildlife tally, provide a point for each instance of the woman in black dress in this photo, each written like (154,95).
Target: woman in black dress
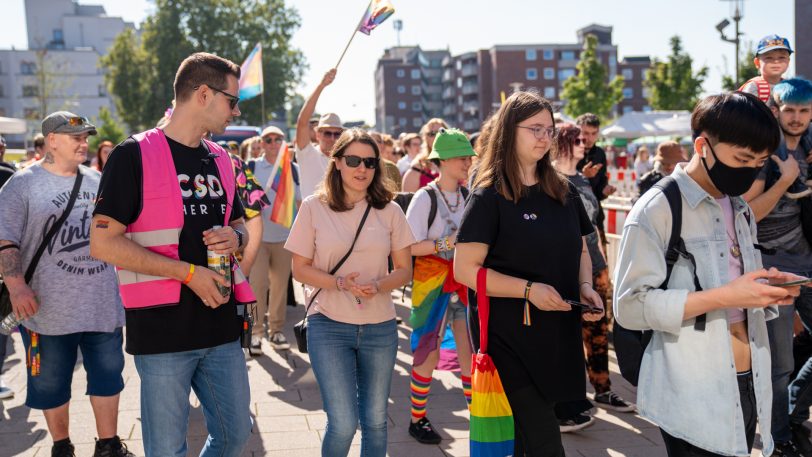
(526,224)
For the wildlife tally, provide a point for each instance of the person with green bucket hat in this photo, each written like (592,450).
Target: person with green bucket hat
(438,318)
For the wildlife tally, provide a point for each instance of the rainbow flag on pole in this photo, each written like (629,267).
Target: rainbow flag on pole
(251,82)
(377,12)
(284,205)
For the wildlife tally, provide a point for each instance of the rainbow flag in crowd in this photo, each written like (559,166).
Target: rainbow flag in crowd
(284,205)
(251,82)
(377,12)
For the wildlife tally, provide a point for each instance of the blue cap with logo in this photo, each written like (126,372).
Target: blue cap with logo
(771,43)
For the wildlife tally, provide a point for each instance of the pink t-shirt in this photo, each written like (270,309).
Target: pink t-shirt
(734,264)
(324,236)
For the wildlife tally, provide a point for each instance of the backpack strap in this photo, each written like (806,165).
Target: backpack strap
(676,245)
(433,208)
(465,192)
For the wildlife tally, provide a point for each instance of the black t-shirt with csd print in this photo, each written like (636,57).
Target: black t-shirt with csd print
(190,324)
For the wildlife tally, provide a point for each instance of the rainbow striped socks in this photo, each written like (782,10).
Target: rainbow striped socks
(420,394)
(466,388)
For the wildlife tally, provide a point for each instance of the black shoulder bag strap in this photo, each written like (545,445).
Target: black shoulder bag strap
(676,245)
(77,183)
(346,256)
(433,207)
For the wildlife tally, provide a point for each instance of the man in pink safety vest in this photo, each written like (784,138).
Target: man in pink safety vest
(162,193)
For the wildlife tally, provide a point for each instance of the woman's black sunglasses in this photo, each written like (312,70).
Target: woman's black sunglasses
(354,161)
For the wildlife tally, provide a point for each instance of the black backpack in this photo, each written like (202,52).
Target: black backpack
(631,344)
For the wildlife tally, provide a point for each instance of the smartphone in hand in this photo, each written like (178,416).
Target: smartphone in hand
(586,308)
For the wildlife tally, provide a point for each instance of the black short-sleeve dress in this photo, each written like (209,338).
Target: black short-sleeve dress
(537,239)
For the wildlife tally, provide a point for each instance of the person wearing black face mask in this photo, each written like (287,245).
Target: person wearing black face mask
(717,296)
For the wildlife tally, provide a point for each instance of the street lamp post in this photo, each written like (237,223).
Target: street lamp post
(736,40)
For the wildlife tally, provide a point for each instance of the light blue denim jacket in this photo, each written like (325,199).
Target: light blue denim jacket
(687,382)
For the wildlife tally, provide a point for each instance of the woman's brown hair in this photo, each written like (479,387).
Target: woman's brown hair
(565,140)
(99,159)
(499,165)
(331,190)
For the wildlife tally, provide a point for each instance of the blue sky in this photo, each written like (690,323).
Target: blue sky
(641,27)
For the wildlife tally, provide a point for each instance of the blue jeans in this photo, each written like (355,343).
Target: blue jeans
(219,378)
(353,365)
(791,397)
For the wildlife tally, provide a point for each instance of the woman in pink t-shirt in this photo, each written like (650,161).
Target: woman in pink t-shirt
(352,334)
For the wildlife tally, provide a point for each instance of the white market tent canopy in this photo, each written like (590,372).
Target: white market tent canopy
(637,124)
(11,125)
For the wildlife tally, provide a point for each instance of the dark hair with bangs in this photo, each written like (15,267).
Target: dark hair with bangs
(565,140)
(499,165)
(739,119)
(331,189)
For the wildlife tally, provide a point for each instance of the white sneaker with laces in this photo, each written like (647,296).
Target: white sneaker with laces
(278,341)
(5,391)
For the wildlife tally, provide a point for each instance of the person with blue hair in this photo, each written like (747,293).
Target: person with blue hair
(782,205)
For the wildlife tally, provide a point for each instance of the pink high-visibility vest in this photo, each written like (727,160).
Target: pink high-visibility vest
(161,220)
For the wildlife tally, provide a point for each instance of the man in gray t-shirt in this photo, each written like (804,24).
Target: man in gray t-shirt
(72,302)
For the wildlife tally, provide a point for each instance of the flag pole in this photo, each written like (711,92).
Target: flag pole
(262,100)
(355,30)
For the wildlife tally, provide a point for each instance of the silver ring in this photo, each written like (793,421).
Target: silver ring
(204,301)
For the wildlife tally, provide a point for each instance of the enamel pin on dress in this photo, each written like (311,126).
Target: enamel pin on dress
(530,217)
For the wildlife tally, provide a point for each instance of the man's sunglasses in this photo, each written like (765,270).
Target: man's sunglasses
(331,134)
(232,100)
(354,161)
(269,140)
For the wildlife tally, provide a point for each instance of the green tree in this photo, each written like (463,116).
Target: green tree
(588,91)
(747,71)
(128,76)
(107,129)
(672,84)
(228,28)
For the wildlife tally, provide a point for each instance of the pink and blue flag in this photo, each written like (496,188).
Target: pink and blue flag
(251,82)
(284,205)
(377,12)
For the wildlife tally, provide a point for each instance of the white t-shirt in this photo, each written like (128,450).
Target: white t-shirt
(404,163)
(418,214)
(312,167)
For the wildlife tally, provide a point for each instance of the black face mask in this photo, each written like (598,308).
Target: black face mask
(729,180)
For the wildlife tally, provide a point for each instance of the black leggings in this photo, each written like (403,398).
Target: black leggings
(676,447)
(537,433)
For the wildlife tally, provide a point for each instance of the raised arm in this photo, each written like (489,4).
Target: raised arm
(302,122)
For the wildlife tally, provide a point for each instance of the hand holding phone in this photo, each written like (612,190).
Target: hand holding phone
(585,307)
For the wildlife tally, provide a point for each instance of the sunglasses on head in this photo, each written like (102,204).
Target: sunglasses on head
(232,100)
(76,121)
(269,140)
(354,161)
(331,134)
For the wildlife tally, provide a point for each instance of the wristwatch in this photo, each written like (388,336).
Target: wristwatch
(239,237)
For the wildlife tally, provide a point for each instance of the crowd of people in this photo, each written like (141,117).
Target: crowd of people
(111,254)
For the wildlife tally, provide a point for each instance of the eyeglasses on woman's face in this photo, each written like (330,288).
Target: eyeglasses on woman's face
(540,131)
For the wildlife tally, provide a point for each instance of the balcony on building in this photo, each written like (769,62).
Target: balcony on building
(468,89)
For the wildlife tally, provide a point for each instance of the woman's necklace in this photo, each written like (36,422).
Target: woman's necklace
(456,205)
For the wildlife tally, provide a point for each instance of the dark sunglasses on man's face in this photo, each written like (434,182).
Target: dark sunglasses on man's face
(354,161)
(269,140)
(232,100)
(331,134)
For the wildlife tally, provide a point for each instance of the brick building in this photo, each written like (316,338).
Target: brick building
(472,83)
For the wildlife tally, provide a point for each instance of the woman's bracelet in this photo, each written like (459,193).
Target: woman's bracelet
(340,283)
(587,282)
(190,274)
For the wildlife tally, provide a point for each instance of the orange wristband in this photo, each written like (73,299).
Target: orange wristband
(191,273)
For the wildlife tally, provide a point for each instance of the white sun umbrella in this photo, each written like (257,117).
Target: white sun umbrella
(12,125)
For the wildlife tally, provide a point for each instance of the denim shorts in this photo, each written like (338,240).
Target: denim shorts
(456,310)
(102,357)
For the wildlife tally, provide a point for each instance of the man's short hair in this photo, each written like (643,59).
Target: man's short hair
(203,68)
(739,119)
(39,141)
(588,119)
(795,91)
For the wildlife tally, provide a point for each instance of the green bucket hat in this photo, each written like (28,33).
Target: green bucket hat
(451,143)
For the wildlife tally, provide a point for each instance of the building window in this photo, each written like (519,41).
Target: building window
(401,89)
(415,74)
(549,54)
(58,37)
(530,54)
(401,105)
(415,90)
(549,93)
(28,68)
(532,74)
(646,109)
(403,121)
(644,73)
(401,73)
(549,73)
(417,122)
(565,74)
(627,109)
(628,93)
(628,74)
(416,107)
(646,93)
(567,55)
(102,91)
(30,91)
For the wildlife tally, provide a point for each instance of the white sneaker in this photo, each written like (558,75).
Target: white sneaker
(5,391)
(279,342)
(256,346)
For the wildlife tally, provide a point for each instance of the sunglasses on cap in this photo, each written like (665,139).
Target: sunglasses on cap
(232,100)
(354,161)
(75,121)
(269,140)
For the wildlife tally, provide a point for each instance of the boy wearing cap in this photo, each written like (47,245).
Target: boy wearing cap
(772,61)
(313,158)
(72,302)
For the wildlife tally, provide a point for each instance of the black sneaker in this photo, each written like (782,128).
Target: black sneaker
(800,436)
(63,449)
(580,421)
(787,449)
(112,448)
(612,400)
(423,432)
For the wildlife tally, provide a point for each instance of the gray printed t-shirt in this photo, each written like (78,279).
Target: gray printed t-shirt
(76,292)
